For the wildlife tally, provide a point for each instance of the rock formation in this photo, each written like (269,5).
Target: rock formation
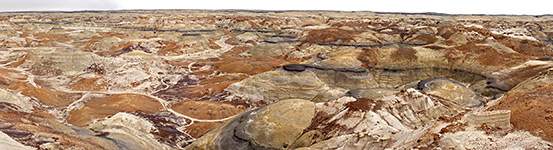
(239,79)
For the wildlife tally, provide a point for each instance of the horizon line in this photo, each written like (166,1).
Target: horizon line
(268,10)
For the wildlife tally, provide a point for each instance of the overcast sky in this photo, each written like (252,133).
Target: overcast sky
(520,7)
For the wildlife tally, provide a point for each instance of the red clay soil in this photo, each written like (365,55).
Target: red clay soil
(249,65)
(482,55)
(45,96)
(88,84)
(427,38)
(527,47)
(198,129)
(531,110)
(329,35)
(409,54)
(101,107)
(207,109)
(171,49)
(34,130)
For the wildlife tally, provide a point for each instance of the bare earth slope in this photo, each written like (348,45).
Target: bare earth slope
(230,79)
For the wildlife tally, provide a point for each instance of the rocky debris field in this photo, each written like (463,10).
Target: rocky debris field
(198,79)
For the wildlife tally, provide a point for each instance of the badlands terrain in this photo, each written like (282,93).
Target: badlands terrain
(195,79)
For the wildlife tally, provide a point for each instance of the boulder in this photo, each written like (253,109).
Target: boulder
(494,119)
(294,67)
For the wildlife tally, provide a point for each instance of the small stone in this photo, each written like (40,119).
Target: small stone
(295,67)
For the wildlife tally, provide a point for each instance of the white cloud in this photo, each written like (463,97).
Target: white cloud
(64,5)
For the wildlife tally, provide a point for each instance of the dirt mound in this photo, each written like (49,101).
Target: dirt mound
(531,110)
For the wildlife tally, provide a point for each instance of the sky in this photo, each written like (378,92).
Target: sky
(518,7)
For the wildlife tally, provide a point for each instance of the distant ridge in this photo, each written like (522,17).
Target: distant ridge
(264,11)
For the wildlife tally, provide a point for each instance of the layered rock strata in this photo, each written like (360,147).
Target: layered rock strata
(163,79)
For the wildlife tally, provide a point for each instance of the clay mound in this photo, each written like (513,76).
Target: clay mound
(531,110)
(249,65)
(329,35)
(207,109)
(45,96)
(101,107)
(32,130)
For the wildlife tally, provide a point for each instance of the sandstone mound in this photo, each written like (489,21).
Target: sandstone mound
(273,127)
(451,90)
